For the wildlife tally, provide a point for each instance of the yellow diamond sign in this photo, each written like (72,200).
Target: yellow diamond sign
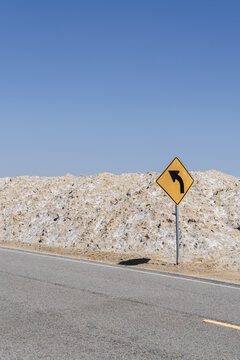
(175,180)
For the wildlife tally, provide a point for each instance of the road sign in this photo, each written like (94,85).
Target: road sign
(175,180)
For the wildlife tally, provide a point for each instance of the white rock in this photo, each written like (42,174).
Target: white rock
(127,212)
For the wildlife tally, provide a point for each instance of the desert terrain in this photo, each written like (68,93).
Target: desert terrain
(116,218)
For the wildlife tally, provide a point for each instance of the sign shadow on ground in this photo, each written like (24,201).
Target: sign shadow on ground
(132,262)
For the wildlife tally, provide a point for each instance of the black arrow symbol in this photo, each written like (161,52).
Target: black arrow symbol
(175,176)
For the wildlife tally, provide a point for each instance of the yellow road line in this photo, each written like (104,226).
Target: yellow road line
(222,324)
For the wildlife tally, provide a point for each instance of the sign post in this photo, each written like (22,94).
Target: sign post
(177,234)
(175,181)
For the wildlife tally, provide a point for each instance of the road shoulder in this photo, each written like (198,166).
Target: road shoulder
(134,260)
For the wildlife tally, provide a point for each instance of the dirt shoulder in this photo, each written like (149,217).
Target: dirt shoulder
(198,269)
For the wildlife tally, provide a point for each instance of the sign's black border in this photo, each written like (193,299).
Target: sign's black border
(177,203)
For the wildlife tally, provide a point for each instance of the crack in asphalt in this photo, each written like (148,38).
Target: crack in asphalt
(110,297)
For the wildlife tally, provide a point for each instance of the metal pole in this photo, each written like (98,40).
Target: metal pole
(177,236)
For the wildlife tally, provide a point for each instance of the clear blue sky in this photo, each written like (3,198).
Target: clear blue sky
(119,86)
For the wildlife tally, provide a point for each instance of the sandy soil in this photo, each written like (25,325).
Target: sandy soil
(195,268)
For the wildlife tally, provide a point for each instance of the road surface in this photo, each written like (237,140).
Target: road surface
(59,308)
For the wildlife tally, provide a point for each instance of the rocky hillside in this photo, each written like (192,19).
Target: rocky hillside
(127,213)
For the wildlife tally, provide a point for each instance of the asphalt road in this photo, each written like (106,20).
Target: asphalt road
(59,308)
